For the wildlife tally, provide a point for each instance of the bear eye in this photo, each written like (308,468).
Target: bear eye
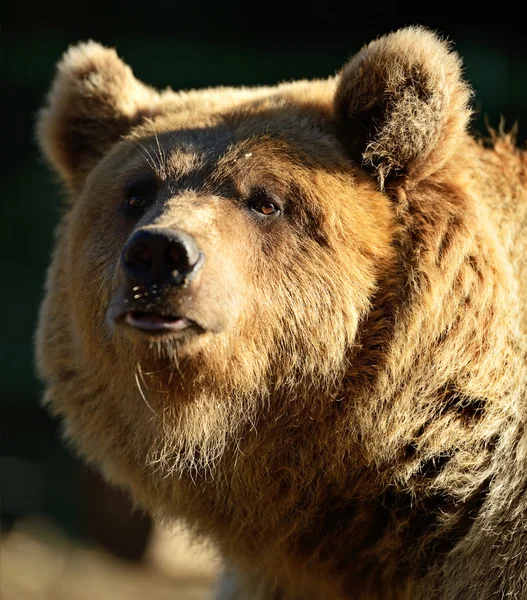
(136,202)
(263,203)
(139,195)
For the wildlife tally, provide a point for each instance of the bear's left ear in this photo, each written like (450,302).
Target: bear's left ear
(401,105)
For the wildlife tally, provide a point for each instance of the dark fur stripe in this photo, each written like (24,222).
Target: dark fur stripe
(468,408)
(467,514)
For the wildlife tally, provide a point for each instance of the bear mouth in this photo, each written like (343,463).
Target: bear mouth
(154,323)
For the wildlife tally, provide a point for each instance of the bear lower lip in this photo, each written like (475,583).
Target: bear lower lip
(154,323)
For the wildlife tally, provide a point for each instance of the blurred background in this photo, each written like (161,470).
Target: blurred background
(53,508)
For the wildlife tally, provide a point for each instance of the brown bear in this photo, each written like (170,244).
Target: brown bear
(295,318)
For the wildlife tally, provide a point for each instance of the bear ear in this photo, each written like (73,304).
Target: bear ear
(401,106)
(94,100)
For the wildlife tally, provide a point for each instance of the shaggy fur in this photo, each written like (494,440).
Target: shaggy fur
(350,421)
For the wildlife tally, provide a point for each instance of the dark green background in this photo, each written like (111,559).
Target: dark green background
(182,45)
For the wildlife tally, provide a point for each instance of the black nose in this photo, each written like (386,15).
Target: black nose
(161,256)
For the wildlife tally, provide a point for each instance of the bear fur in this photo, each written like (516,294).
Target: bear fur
(347,417)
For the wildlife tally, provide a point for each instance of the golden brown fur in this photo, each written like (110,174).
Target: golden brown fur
(351,424)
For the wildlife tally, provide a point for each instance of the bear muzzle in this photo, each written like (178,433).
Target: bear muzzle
(156,264)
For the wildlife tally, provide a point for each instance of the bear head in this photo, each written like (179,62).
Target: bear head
(221,249)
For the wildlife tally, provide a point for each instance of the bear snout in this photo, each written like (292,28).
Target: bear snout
(156,266)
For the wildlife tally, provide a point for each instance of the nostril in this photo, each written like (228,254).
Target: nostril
(140,255)
(184,252)
(176,257)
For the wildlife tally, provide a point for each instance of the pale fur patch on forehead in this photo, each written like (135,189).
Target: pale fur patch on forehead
(176,152)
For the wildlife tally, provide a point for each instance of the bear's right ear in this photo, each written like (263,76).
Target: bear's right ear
(94,100)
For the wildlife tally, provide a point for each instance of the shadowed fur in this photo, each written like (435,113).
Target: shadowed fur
(347,419)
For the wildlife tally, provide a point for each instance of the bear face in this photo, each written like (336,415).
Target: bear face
(279,312)
(224,324)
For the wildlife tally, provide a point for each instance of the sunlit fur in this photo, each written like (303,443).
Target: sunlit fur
(352,422)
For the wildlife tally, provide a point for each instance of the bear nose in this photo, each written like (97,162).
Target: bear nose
(161,256)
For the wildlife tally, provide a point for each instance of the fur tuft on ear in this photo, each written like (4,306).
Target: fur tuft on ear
(94,100)
(401,105)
